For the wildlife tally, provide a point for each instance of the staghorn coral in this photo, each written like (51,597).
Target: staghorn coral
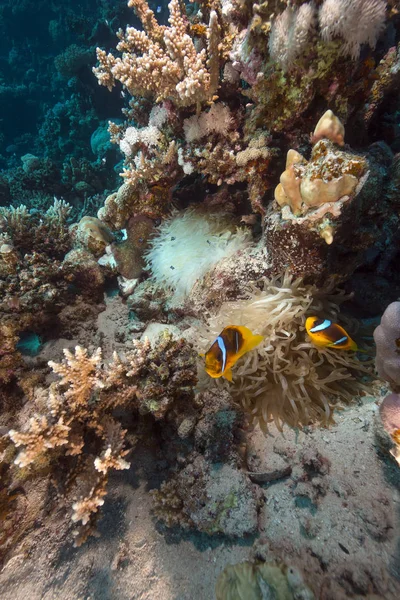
(287,379)
(73,418)
(169,66)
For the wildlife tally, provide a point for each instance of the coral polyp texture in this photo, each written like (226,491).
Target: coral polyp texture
(287,379)
(41,272)
(74,415)
(169,66)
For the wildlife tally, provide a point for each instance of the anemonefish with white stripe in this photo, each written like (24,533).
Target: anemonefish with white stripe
(323,332)
(231,344)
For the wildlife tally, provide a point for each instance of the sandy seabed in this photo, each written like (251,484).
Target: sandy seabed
(329,504)
(333,510)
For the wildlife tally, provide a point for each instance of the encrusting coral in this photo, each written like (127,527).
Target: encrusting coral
(213,498)
(259,580)
(74,417)
(287,379)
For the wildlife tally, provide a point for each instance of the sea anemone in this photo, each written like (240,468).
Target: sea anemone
(190,244)
(287,379)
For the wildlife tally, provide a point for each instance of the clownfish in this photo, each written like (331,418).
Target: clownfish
(232,343)
(329,335)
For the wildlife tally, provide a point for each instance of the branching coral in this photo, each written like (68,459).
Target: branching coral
(75,418)
(287,379)
(163,61)
(33,280)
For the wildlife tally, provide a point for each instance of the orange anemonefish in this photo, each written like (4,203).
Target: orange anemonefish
(232,343)
(329,335)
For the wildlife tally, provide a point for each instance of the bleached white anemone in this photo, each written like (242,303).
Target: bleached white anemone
(189,245)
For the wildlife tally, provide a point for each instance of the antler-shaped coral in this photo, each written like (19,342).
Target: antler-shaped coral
(79,413)
(163,61)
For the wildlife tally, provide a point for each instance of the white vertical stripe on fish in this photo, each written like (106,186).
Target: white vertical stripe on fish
(343,339)
(324,325)
(222,347)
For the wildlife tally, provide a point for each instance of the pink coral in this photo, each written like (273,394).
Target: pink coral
(387,340)
(390,413)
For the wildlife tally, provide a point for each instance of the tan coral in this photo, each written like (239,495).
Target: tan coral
(330,178)
(40,436)
(288,190)
(78,415)
(79,373)
(93,234)
(163,61)
(315,192)
(330,127)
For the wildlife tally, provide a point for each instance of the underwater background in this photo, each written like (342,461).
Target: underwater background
(199,300)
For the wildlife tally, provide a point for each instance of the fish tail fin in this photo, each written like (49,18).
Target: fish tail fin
(252,342)
(228,375)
